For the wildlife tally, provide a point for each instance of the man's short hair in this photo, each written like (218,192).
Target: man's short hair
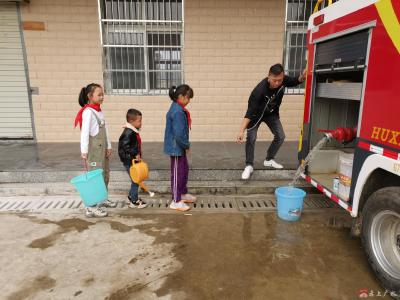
(276,69)
(132,114)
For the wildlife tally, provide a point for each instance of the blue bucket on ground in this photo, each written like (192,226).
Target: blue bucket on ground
(91,187)
(289,202)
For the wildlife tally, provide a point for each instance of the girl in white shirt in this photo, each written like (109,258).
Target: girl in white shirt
(95,142)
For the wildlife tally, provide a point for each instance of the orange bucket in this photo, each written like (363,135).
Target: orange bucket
(139,171)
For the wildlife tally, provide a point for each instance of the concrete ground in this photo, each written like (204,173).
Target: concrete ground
(203,155)
(135,255)
(159,254)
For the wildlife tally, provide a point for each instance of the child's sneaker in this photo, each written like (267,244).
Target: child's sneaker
(96,212)
(138,204)
(188,198)
(109,204)
(180,206)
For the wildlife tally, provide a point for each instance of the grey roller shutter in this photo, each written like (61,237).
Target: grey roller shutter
(15,112)
(348,50)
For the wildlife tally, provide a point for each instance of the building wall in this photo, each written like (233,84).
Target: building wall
(229,46)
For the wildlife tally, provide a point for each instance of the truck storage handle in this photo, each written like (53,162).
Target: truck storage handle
(340,68)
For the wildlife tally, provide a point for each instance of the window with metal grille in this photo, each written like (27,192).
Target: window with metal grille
(142,45)
(295,52)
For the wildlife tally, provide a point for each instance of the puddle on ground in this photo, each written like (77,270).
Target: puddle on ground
(88,281)
(64,226)
(125,292)
(258,256)
(68,225)
(118,226)
(33,287)
(245,256)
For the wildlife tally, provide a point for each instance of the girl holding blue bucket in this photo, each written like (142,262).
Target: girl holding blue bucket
(95,142)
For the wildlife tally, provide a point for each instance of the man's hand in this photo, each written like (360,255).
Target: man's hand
(240,137)
(303,75)
(243,126)
(84,156)
(138,158)
(108,153)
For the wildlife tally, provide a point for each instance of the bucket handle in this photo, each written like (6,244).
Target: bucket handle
(85,167)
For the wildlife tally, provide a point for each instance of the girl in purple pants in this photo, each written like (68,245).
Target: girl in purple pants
(176,145)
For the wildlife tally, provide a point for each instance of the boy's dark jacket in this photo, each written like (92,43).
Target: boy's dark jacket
(128,146)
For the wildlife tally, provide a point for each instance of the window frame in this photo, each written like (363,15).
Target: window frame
(144,25)
(296,26)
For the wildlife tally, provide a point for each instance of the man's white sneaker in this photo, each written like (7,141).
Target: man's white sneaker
(180,206)
(247,172)
(273,164)
(188,198)
(96,212)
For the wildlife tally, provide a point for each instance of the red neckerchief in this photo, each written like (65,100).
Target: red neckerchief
(139,140)
(187,114)
(78,118)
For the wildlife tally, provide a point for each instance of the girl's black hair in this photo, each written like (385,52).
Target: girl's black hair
(85,91)
(182,89)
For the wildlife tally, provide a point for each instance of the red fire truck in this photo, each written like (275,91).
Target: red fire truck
(353,90)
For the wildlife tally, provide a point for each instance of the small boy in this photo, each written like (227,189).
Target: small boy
(129,148)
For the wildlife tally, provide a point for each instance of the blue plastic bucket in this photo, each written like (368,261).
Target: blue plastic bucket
(91,187)
(290,202)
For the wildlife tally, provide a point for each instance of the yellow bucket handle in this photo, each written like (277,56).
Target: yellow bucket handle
(316,8)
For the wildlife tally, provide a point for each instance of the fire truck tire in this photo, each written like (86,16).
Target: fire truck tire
(380,236)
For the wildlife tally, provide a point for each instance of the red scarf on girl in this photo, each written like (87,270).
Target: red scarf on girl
(78,118)
(187,114)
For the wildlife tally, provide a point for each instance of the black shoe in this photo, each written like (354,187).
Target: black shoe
(138,204)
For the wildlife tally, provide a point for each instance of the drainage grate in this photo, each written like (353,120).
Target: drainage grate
(157,203)
(256,204)
(39,204)
(215,203)
(204,203)
(218,203)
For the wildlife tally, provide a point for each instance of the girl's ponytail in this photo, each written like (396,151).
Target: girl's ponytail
(85,91)
(181,90)
(172,93)
(83,97)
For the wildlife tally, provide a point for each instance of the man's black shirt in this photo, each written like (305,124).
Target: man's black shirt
(264,100)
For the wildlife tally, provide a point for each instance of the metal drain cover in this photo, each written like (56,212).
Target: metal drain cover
(256,203)
(204,203)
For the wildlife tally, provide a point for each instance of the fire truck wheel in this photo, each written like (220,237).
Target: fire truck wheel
(381,236)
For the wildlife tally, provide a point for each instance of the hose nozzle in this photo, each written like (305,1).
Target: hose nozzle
(341,134)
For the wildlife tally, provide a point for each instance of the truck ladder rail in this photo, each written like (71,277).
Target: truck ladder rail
(317,5)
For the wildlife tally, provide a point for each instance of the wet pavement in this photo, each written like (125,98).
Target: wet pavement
(203,155)
(181,256)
